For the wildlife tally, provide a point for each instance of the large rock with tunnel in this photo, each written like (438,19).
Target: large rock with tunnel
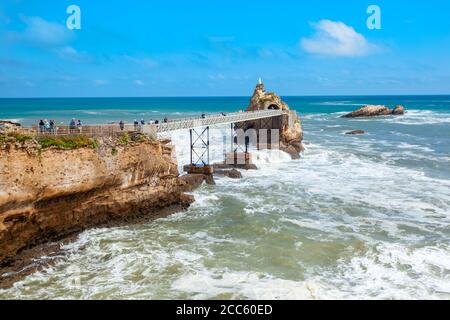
(287,127)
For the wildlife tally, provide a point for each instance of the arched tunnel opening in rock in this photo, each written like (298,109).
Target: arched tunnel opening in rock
(273,107)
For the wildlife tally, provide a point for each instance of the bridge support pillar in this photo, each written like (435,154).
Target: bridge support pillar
(238,158)
(239,154)
(199,143)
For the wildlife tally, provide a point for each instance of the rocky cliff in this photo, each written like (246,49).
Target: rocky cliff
(289,125)
(49,193)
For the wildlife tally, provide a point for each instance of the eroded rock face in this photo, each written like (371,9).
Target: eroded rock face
(374,111)
(398,110)
(231,173)
(262,100)
(291,131)
(46,195)
(195,180)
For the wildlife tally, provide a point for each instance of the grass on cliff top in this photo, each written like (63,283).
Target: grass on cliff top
(124,139)
(67,142)
(19,137)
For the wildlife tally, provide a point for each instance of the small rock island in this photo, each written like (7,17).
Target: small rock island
(375,111)
(289,125)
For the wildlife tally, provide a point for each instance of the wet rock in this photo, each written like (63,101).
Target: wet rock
(222,165)
(195,180)
(356,132)
(298,146)
(233,173)
(209,179)
(374,111)
(398,110)
(291,150)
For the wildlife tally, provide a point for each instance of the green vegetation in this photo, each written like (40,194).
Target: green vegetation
(114,152)
(124,139)
(67,142)
(19,137)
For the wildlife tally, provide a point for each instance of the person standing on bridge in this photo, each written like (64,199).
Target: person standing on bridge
(46,126)
(121,125)
(52,126)
(41,126)
(72,125)
(136,125)
(79,126)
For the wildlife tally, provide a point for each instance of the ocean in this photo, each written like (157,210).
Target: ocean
(357,217)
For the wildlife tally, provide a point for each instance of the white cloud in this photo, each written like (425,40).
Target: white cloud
(265,53)
(218,76)
(144,62)
(334,38)
(71,54)
(101,82)
(139,82)
(42,33)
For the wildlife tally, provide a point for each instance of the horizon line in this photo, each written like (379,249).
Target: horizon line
(230,96)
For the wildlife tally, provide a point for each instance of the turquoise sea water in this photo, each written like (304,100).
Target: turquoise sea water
(356,217)
(103,110)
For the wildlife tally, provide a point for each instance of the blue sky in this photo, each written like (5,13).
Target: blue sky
(212,48)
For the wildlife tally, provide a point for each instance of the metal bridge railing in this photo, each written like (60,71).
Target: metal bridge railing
(216,120)
(154,129)
(87,130)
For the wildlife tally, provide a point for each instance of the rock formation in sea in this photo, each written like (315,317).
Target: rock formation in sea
(55,187)
(289,125)
(373,111)
(354,132)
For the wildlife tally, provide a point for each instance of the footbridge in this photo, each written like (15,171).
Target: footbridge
(199,136)
(207,121)
(198,128)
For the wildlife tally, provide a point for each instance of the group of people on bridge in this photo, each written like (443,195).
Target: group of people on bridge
(139,124)
(49,126)
(75,126)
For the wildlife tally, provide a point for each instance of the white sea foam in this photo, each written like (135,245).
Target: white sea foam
(404,145)
(208,284)
(420,117)
(90,112)
(16,120)
(339,103)
(392,272)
